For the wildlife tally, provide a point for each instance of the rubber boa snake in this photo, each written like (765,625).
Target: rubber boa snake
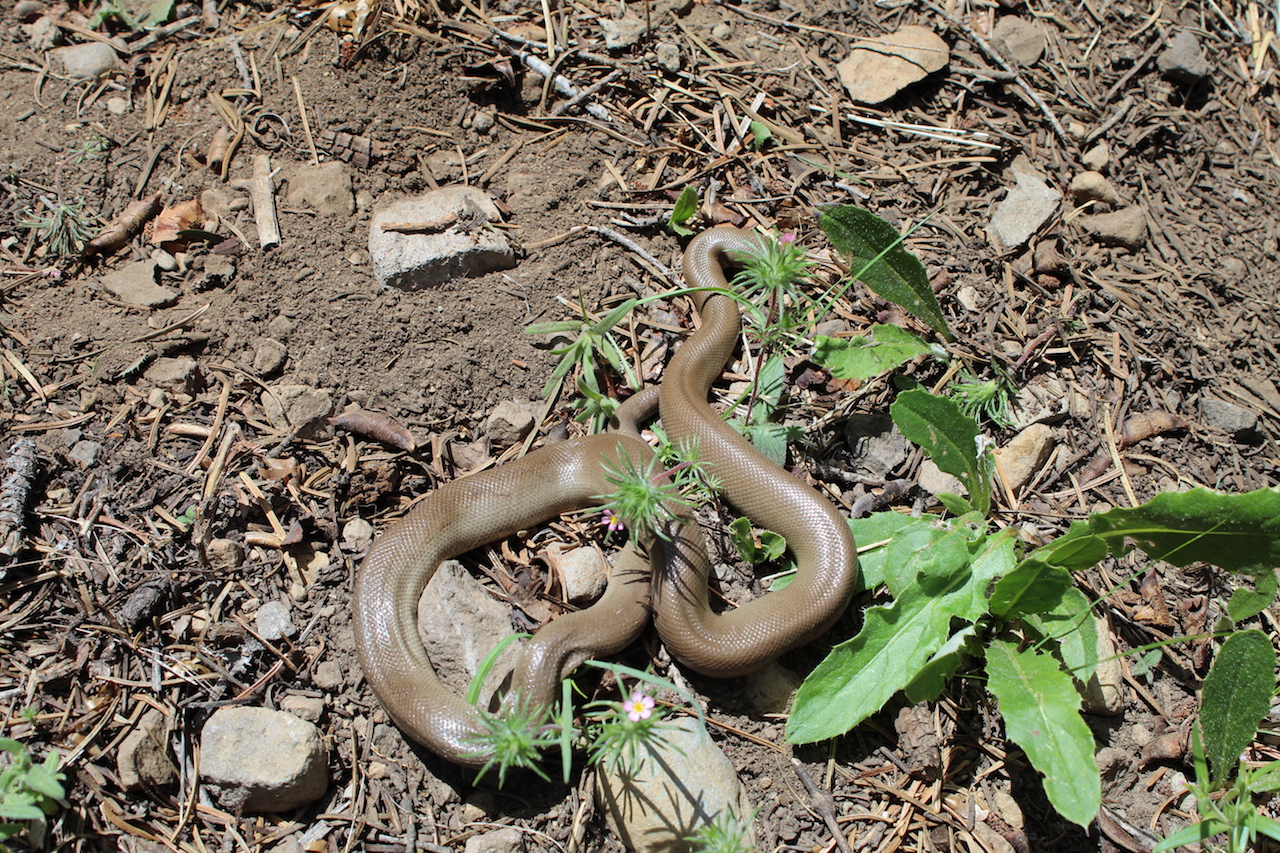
(670,580)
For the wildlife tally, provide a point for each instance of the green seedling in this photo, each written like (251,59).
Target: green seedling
(29,792)
(590,344)
(725,834)
(63,229)
(990,399)
(685,209)
(646,497)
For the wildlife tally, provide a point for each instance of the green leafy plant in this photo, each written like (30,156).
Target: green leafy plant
(685,209)
(647,495)
(29,792)
(63,228)
(727,833)
(771,279)
(764,406)
(590,343)
(990,399)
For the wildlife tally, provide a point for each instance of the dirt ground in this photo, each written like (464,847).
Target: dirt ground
(113,605)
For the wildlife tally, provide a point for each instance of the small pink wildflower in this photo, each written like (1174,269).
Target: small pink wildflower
(613,521)
(51,272)
(788,238)
(638,707)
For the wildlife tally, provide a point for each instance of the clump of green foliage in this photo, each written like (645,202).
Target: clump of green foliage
(29,792)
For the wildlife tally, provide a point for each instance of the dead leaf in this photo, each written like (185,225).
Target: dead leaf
(171,220)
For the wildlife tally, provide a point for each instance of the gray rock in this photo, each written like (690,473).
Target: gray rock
(1018,39)
(327,675)
(1227,417)
(682,782)
(668,56)
(623,32)
(43,34)
(770,690)
(508,840)
(1022,212)
(877,444)
(301,406)
(261,760)
(85,61)
(225,554)
(268,356)
(508,423)
(1092,186)
(309,708)
(936,482)
(85,453)
(583,571)
(1184,60)
(179,375)
(879,68)
(484,121)
(1126,228)
(135,284)
(460,623)
(143,760)
(218,270)
(164,260)
(28,10)
(274,622)
(326,189)
(1104,693)
(357,533)
(1024,455)
(466,247)
(1097,158)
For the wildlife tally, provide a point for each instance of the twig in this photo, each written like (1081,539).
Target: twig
(1115,118)
(14,494)
(588,92)
(662,269)
(823,803)
(562,83)
(306,126)
(995,57)
(262,193)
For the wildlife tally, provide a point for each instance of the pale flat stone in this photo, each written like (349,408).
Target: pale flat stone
(1126,228)
(261,760)
(1092,186)
(326,189)
(879,68)
(1018,39)
(85,61)
(1025,455)
(1022,212)
(135,284)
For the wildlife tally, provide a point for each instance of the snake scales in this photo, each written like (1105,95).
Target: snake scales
(670,581)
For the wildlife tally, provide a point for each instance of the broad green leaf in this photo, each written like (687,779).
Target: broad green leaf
(770,547)
(1076,549)
(955,504)
(1071,624)
(20,811)
(910,547)
(1247,603)
(933,676)
(686,207)
(861,674)
(1041,711)
(761,135)
(1032,587)
(862,358)
(875,252)
(41,781)
(1237,695)
(769,385)
(950,437)
(770,439)
(878,527)
(1195,834)
(1266,779)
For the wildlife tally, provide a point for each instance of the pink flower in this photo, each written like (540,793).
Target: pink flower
(613,521)
(788,238)
(51,272)
(638,707)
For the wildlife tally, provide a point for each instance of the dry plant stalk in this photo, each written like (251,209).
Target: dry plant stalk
(124,226)
(262,194)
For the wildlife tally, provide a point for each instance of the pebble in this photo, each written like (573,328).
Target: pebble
(225,554)
(1227,417)
(274,622)
(722,32)
(1092,186)
(85,61)
(301,406)
(623,32)
(117,106)
(507,840)
(309,708)
(357,533)
(327,676)
(1097,158)
(1025,454)
(460,623)
(1103,694)
(937,482)
(1126,228)
(261,760)
(483,122)
(583,570)
(85,453)
(668,55)
(1184,60)
(164,260)
(177,375)
(1018,39)
(877,69)
(143,759)
(509,423)
(1022,212)
(268,356)
(680,782)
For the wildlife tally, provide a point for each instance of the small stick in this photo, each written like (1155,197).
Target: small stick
(427,227)
(306,126)
(562,83)
(262,193)
(14,495)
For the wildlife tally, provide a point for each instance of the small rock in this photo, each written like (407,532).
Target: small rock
(1227,417)
(28,10)
(508,840)
(143,760)
(722,31)
(1003,803)
(309,708)
(583,571)
(1018,39)
(268,356)
(1234,270)
(970,299)
(85,453)
(262,760)
(326,189)
(623,32)
(117,106)
(85,61)
(1025,455)
(484,121)
(508,424)
(877,69)
(43,34)
(770,690)
(216,202)
(225,554)
(135,284)
(164,260)
(680,782)
(668,56)
(418,260)
(1126,228)
(327,676)
(301,406)
(179,375)
(281,327)
(460,623)
(1098,158)
(357,533)
(218,270)
(1183,60)
(935,482)
(1104,693)
(877,445)
(274,622)
(1092,186)
(1021,213)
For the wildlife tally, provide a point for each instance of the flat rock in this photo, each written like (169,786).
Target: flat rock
(1025,455)
(1184,60)
(464,246)
(1018,39)
(274,622)
(143,760)
(261,760)
(1092,186)
(301,406)
(623,32)
(1227,417)
(935,481)
(135,284)
(179,374)
(1022,212)
(1097,158)
(509,423)
(225,554)
(1126,228)
(326,189)
(878,447)
(268,356)
(879,68)
(506,840)
(85,61)
(681,782)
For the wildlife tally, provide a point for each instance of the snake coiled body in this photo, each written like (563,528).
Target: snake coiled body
(671,579)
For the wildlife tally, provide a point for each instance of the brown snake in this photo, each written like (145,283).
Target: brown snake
(467,513)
